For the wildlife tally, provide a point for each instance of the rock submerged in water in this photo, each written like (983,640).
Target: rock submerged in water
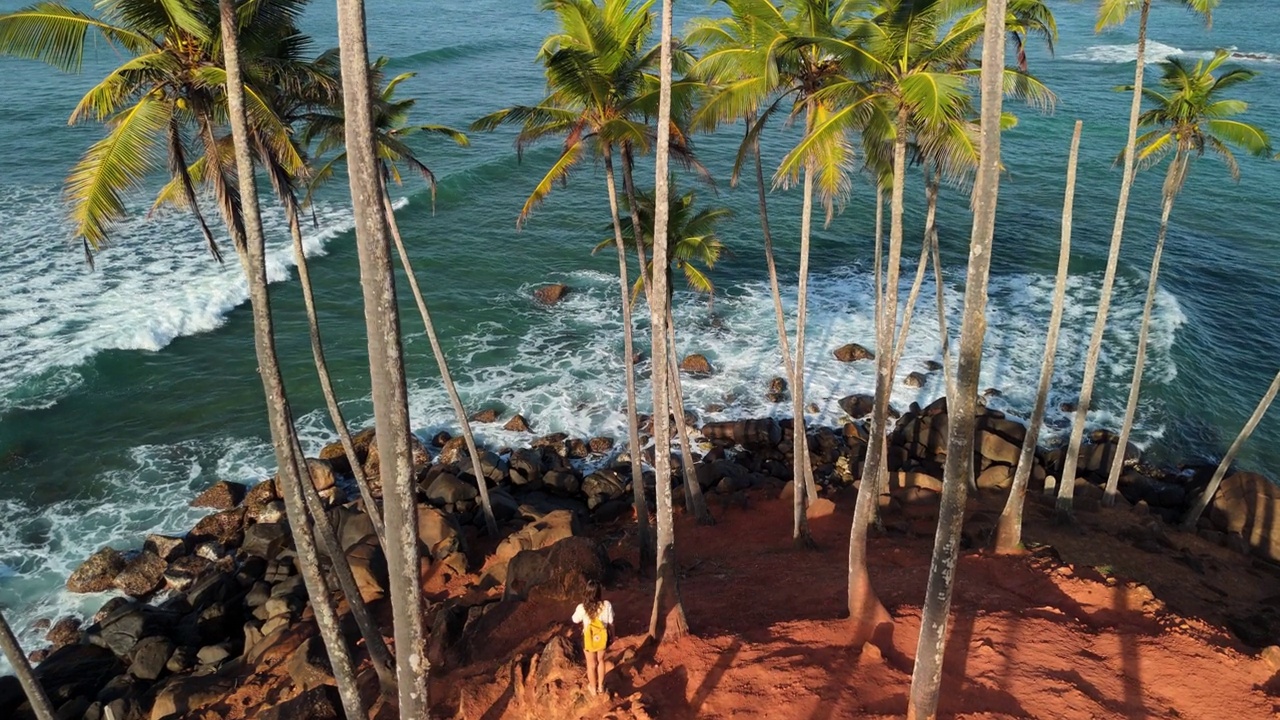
(914,380)
(98,572)
(551,294)
(517,423)
(853,352)
(486,415)
(696,364)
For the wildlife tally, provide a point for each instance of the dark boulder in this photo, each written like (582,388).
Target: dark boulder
(853,352)
(447,488)
(551,294)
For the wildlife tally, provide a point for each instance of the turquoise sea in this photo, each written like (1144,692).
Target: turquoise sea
(125,390)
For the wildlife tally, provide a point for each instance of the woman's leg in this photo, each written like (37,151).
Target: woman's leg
(593,671)
(600,671)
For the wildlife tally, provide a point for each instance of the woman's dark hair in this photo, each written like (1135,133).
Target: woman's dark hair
(593,602)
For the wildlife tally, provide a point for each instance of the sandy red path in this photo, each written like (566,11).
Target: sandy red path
(1030,637)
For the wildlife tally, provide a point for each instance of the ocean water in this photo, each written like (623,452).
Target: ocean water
(126,389)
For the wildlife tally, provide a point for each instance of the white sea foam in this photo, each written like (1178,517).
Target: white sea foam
(1120,54)
(155,283)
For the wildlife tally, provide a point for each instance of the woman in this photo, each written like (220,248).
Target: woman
(596,617)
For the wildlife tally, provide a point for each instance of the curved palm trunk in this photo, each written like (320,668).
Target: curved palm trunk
(666,589)
(1177,172)
(799,438)
(386,366)
(788,365)
(326,384)
(943,333)
(643,536)
(865,610)
(283,436)
(926,678)
(931,211)
(443,364)
(695,502)
(22,668)
(1067,482)
(1193,515)
(1009,528)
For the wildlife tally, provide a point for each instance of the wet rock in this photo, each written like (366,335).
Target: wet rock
(263,492)
(577,448)
(853,352)
(225,527)
(696,364)
(149,657)
(487,415)
(525,468)
(600,445)
(222,495)
(602,486)
(271,512)
(777,391)
(64,632)
(120,631)
(98,572)
(439,439)
(452,451)
(165,547)
(336,456)
(142,576)
(185,571)
(914,380)
(517,423)
(932,365)
(551,294)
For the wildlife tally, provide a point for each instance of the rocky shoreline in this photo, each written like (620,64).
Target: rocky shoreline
(198,608)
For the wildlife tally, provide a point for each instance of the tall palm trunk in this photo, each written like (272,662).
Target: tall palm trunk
(865,610)
(643,536)
(666,589)
(1067,482)
(931,211)
(943,333)
(253,261)
(694,502)
(926,679)
(372,508)
(443,364)
(1009,528)
(22,668)
(386,366)
(788,365)
(1172,183)
(1193,515)
(799,438)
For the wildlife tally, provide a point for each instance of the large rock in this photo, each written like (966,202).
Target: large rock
(439,532)
(64,632)
(336,456)
(696,364)
(761,432)
(565,482)
(1249,504)
(226,527)
(996,477)
(486,415)
(600,445)
(602,486)
(525,468)
(369,567)
(517,423)
(149,657)
(222,495)
(98,572)
(551,294)
(167,548)
(853,352)
(77,671)
(143,575)
(121,630)
(265,540)
(185,571)
(997,448)
(183,697)
(447,488)
(858,406)
(915,380)
(372,464)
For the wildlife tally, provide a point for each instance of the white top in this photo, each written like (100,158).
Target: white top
(606,614)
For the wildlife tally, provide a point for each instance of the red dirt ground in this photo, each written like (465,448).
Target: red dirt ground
(1030,637)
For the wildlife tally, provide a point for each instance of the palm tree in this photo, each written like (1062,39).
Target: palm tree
(390,117)
(1110,14)
(167,89)
(667,586)
(22,668)
(736,70)
(1193,515)
(386,364)
(1008,537)
(926,678)
(284,438)
(595,67)
(1190,117)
